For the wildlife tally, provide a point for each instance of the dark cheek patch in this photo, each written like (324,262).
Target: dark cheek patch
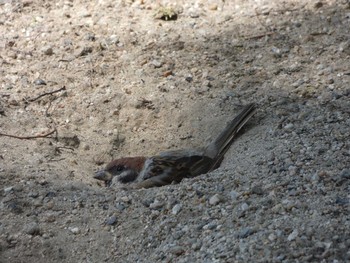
(128,177)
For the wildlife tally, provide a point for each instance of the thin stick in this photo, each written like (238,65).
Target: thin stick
(259,36)
(47,93)
(28,137)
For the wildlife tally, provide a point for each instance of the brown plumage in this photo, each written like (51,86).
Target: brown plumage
(173,166)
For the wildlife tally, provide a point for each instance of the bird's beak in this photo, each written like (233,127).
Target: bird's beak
(103,175)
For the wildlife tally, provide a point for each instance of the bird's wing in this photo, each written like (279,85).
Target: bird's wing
(162,170)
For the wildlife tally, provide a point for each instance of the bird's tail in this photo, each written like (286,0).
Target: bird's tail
(222,143)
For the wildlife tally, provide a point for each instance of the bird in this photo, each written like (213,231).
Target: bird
(172,166)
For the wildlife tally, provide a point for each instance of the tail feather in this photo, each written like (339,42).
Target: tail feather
(222,143)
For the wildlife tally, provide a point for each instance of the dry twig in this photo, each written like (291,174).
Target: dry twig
(47,93)
(29,137)
(260,35)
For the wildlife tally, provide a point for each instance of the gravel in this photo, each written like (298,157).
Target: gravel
(135,85)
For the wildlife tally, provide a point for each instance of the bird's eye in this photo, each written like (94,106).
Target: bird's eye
(120,168)
(116,169)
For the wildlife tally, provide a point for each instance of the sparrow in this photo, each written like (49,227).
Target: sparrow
(172,166)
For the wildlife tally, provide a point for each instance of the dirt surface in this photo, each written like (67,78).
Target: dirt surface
(104,79)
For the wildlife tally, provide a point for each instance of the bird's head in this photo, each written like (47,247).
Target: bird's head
(125,170)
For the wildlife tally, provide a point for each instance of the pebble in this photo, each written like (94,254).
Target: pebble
(32,229)
(244,206)
(196,245)
(114,39)
(176,209)
(194,13)
(292,236)
(297,210)
(33,194)
(345,174)
(156,63)
(272,237)
(111,220)
(289,126)
(315,178)
(213,7)
(39,82)
(156,204)
(276,52)
(125,199)
(342,201)
(50,218)
(12,54)
(234,195)
(74,230)
(245,232)
(257,190)
(47,50)
(177,250)
(84,51)
(8,189)
(214,200)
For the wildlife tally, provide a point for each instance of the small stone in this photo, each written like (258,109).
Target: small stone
(345,174)
(233,195)
(32,229)
(39,19)
(257,190)
(265,10)
(196,246)
(289,126)
(276,52)
(74,230)
(245,232)
(120,206)
(167,73)
(111,220)
(50,205)
(114,39)
(156,63)
(33,194)
(156,204)
(90,37)
(38,202)
(292,170)
(39,82)
(213,7)
(244,207)
(12,54)
(84,51)
(15,207)
(176,209)
(342,201)
(47,50)
(50,218)
(210,226)
(318,5)
(272,237)
(315,178)
(189,79)
(292,236)
(214,200)
(177,250)
(8,189)
(345,47)
(125,199)
(86,147)
(194,13)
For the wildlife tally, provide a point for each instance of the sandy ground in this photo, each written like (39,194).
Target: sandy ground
(104,79)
